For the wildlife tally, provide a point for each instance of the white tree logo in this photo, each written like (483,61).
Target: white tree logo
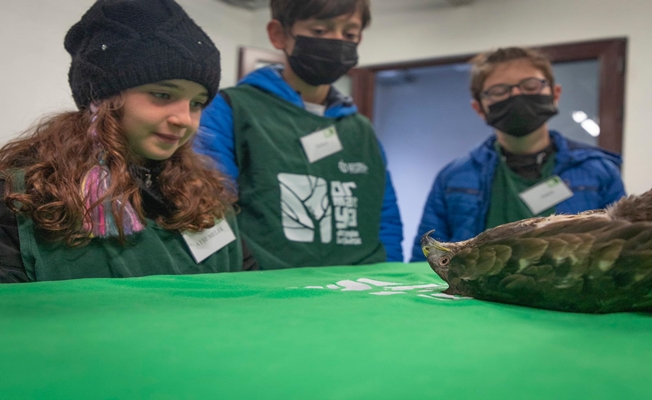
(305,208)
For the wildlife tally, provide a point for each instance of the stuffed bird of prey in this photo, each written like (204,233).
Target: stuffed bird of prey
(594,262)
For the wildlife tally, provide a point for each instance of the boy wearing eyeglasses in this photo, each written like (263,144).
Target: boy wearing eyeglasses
(525,169)
(312,179)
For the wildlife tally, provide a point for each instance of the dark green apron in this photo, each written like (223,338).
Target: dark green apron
(153,251)
(506,206)
(295,213)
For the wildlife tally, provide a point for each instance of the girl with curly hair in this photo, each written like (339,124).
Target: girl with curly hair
(114,189)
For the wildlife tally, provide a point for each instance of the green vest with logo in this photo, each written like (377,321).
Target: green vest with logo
(152,251)
(295,213)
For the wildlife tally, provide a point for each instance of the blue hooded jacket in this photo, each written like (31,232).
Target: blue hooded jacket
(216,138)
(459,200)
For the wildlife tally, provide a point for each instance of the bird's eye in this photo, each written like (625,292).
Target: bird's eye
(444,261)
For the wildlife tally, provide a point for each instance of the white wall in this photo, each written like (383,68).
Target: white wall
(34,65)
(436,32)
(229,27)
(34,69)
(259,36)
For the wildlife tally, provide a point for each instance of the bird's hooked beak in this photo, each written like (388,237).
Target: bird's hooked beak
(428,244)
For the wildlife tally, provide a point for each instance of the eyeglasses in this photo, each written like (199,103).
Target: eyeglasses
(503,91)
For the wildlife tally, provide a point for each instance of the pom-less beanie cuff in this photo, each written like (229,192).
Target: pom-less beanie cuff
(121,44)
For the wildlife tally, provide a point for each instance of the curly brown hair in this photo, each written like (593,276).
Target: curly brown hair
(58,151)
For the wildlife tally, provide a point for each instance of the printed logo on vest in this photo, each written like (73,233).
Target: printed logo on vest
(346,213)
(307,212)
(352,168)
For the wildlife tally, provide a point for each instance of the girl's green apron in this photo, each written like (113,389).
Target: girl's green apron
(153,251)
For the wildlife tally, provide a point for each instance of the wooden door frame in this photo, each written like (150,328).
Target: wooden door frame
(610,54)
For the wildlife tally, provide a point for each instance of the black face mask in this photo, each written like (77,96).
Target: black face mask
(322,61)
(522,114)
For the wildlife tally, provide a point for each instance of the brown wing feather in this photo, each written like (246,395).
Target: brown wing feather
(588,264)
(633,208)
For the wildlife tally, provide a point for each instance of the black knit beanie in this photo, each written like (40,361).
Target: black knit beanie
(121,44)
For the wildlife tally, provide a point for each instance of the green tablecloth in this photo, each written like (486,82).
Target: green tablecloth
(373,332)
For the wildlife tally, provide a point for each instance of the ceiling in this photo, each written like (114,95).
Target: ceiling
(377,6)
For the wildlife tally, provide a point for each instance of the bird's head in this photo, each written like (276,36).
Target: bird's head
(439,255)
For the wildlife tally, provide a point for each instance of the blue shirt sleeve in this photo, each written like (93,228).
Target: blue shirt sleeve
(434,217)
(216,137)
(391,227)
(614,189)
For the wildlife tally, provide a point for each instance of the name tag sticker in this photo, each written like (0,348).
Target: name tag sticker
(320,144)
(203,244)
(546,194)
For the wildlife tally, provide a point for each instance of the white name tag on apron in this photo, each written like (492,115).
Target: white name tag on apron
(546,194)
(203,244)
(320,144)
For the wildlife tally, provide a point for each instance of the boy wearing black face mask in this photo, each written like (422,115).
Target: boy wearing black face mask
(313,186)
(525,170)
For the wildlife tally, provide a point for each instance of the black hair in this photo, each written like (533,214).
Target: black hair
(290,11)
